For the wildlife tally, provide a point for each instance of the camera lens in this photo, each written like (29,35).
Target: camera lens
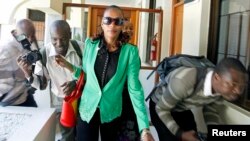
(31,57)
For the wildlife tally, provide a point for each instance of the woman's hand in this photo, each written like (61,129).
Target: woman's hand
(63,63)
(146,135)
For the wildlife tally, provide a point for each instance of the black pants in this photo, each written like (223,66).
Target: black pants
(185,120)
(30,102)
(90,131)
(129,130)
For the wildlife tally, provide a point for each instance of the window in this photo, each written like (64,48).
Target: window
(229,35)
(38,19)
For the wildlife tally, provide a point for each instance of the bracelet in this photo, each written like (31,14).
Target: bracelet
(144,132)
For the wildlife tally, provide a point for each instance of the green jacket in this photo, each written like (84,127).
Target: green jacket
(109,99)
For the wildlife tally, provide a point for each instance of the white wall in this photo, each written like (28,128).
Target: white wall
(166,6)
(195,27)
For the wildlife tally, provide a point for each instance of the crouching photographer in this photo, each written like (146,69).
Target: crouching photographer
(14,88)
(31,54)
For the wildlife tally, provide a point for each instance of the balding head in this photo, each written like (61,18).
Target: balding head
(61,25)
(26,27)
(60,35)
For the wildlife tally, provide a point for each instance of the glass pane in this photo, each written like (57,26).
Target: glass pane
(233,6)
(244,34)
(223,34)
(232,56)
(243,60)
(224,7)
(220,56)
(78,19)
(233,37)
(148,38)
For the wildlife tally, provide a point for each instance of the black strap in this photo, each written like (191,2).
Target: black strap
(44,57)
(201,74)
(3,96)
(77,48)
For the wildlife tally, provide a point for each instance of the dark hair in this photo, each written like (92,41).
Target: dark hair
(114,7)
(61,24)
(229,63)
(123,38)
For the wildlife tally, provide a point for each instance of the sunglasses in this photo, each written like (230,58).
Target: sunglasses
(109,20)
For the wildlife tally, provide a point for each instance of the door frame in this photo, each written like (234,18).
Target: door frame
(175,4)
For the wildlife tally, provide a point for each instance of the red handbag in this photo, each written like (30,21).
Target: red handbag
(70,104)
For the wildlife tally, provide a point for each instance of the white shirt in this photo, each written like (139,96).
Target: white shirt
(12,79)
(208,85)
(57,74)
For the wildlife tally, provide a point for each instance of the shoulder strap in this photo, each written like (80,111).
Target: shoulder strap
(201,74)
(77,48)
(44,57)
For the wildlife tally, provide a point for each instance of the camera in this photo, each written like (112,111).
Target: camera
(33,55)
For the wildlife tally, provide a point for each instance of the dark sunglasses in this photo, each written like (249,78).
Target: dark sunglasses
(109,20)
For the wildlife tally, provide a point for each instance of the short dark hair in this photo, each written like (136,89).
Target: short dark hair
(61,24)
(114,7)
(229,63)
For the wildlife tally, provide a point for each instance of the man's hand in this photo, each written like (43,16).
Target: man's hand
(25,66)
(68,87)
(189,136)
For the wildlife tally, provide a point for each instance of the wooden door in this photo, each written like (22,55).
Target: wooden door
(95,19)
(177,26)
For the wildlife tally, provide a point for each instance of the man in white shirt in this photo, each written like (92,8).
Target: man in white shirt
(62,82)
(14,89)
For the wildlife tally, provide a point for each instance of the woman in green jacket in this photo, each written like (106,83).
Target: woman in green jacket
(108,61)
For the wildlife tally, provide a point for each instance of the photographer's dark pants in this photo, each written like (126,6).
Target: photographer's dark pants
(184,119)
(90,131)
(30,101)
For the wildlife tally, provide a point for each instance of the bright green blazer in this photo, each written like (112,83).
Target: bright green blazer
(109,99)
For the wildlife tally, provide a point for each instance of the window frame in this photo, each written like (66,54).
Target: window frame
(213,46)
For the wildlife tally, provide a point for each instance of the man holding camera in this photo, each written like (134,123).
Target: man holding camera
(14,88)
(61,81)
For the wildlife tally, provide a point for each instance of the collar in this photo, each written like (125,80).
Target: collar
(103,48)
(208,84)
